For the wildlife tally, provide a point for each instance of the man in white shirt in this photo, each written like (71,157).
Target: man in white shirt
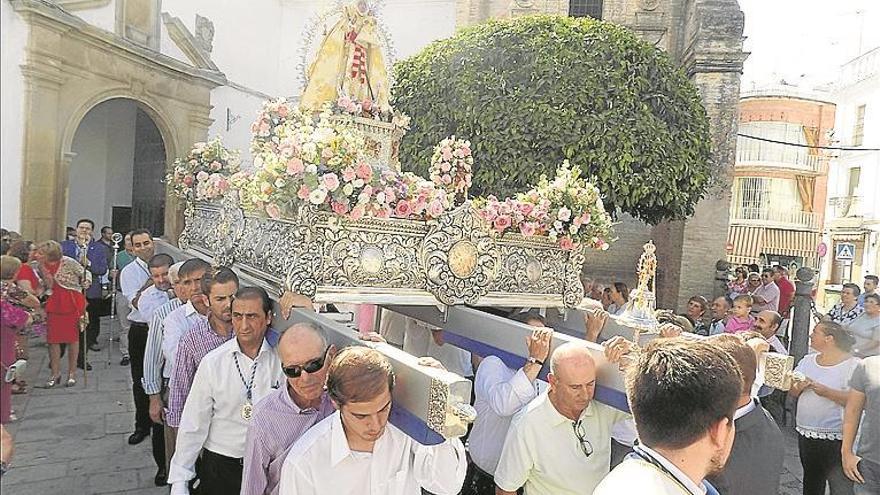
(560,444)
(355,451)
(500,393)
(683,394)
(191,311)
(766,296)
(229,380)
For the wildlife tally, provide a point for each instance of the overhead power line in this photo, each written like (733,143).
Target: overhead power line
(801,145)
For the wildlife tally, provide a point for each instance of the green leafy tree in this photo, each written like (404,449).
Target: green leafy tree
(534,91)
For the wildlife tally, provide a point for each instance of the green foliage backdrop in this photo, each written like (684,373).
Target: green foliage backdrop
(534,91)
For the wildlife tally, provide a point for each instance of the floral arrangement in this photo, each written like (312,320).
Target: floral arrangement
(319,160)
(568,210)
(204,174)
(369,109)
(451,166)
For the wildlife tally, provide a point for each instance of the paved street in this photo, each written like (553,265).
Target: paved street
(73,441)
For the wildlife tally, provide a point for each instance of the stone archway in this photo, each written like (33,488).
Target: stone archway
(72,67)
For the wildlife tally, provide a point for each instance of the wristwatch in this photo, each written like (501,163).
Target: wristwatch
(532,360)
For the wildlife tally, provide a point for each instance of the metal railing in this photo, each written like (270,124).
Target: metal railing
(770,155)
(846,206)
(788,218)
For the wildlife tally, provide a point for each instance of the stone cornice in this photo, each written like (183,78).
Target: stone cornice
(52,15)
(74,5)
(184,40)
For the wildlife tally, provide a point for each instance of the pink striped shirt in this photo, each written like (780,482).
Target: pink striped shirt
(277,424)
(195,344)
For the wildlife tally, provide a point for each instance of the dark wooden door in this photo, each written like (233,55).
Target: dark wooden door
(148,188)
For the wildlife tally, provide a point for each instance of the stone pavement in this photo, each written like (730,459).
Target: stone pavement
(74,440)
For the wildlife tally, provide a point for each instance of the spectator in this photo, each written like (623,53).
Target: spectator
(821,397)
(866,328)
(696,313)
(870,286)
(619,297)
(863,466)
(721,307)
(12,319)
(786,289)
(766,296)
(606,298)
(740,319)
(739,284)
(848,308)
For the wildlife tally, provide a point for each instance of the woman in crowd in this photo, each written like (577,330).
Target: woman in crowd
(24,251)
(821,398)
(866,328)
(696,313)
(619,297)
(22,299)
(12,319)
(739,283)
(65,279)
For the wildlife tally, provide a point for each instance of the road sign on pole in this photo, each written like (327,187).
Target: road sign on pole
(844,251)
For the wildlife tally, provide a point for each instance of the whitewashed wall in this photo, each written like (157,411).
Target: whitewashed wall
(14,32)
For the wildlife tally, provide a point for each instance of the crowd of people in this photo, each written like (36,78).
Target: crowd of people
(233,406)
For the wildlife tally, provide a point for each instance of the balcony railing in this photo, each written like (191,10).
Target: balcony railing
(846,206)
(772,156)
(772,217)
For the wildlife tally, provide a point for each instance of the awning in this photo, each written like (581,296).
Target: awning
(791,242)
(746,242)
(749,243)
(848,236)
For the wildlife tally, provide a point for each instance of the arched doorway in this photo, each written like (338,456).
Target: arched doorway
(117,168)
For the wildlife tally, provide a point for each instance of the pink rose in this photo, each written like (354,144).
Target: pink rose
(527,229)
(215,166)
(435,208)
(273,211)
(566,243)
(343,102)
(390,195)
(585,219)
(446,152)
(348,174)
(403,210)
(264,128)
(295,166)
(420,206)
(339,208)
(446,179)
(466,151)
(201,176)
(327,153)
(364,171)
(502,222)
(384,212)
(357,212)
(283,111)
(331,181)
(526,208)
(188,180)
(303,192)
(222,184)
(445,166)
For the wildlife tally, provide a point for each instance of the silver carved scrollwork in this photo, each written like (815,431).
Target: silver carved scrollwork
(530,266)
(188,214)
(304,271)
(366,258)
(229,230)
(460,257)
(573,290)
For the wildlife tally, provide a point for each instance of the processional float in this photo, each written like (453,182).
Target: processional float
(326,213)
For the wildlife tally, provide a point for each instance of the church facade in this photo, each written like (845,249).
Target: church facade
(100,96)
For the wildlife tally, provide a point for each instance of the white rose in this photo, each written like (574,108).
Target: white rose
(358,183)
(380,197)
(348,189)
(318,196)
(312,168)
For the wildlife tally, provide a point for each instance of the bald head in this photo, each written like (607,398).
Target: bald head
(572,379)
(767,322)
(301,338)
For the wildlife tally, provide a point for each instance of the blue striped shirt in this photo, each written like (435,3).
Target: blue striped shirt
(154,360)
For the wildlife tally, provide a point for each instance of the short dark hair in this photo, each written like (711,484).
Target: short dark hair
(222,275)
(193,265)
(754,268)
(105,228)
(255,293)
(735,345)
(530,316)
(768,270)
(20,249)
(622,289)
(701,300)
(873,278)
(855,288)
(358,374)
(140,232)
(70,229)
(160,259)
(87,220)
(873,297)
(679,389)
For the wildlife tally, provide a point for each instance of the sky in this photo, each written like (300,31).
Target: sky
(805,42)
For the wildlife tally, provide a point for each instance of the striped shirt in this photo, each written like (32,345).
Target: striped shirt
(177,323)
(193,346)
(153,358)
(277,424)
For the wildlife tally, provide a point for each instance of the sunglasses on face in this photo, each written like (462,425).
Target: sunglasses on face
(294,371)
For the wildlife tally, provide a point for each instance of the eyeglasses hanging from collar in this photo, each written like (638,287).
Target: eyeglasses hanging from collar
(581,433)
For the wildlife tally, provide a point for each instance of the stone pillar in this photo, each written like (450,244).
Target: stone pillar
(802,311)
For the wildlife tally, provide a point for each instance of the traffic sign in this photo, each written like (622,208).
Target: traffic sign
(844,251)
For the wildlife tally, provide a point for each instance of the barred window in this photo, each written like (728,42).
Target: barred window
(585,8)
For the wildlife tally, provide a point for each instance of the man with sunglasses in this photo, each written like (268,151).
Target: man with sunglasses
(560,443)
(228,382)
(287,413)
(766,296)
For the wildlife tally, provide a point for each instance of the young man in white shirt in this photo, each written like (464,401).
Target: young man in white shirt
(560,444)
(229,380)
(355,451)
(683,394)
(500,393)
